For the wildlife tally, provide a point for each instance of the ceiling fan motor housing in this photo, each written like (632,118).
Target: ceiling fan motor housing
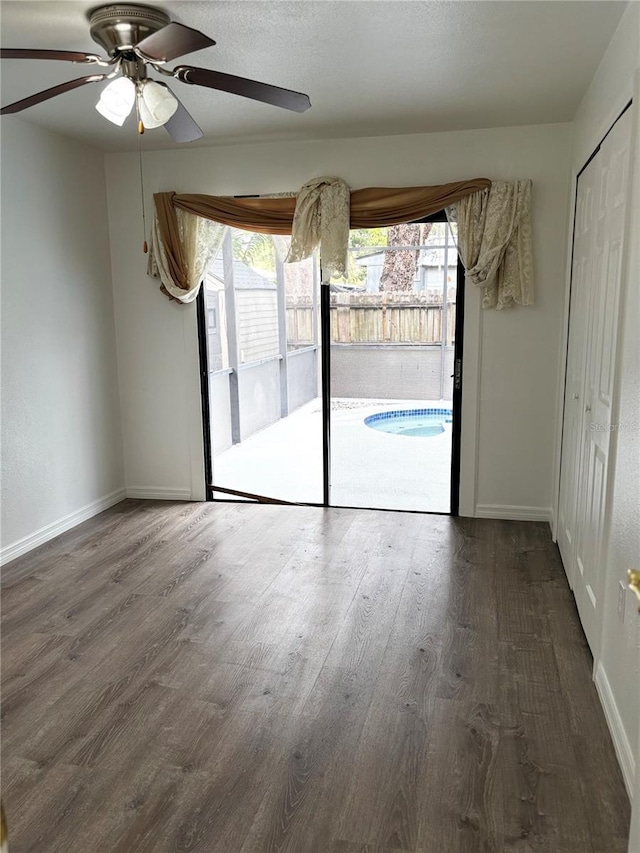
(118,28)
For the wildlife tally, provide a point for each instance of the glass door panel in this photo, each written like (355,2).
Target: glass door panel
(392,353)
(263,358)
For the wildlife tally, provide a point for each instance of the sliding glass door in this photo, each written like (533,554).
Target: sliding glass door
(346,403)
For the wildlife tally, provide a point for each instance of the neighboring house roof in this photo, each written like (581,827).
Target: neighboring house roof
(347,287)
(244,276)
(375,254)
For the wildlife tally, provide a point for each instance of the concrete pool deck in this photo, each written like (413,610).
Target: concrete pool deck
(369,468)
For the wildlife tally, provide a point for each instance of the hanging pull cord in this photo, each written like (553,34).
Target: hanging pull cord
(145,247)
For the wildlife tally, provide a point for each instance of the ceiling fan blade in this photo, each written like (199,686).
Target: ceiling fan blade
(172,41)
(182,127)
(62,55)
(264,92)
(18,106)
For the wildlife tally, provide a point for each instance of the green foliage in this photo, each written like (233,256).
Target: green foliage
(364,238)
(361,239)
(255,250)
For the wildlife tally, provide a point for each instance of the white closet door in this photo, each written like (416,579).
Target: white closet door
(604,277)
(572,434)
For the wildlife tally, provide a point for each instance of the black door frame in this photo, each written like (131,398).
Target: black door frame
(325,351)
(325,356)
(456,402)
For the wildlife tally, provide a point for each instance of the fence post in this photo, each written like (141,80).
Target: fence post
(444,326)
(232,336)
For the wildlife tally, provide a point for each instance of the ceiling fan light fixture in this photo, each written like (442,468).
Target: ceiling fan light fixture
(138,39)
(117,100)
(155,103)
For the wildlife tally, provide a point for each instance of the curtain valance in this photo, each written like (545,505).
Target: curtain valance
(493,220)
(372,207)
(264,214)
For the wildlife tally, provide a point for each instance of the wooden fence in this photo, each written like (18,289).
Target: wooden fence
(300,322)
(374,318)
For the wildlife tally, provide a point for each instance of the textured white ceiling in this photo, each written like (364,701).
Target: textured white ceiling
(370,67)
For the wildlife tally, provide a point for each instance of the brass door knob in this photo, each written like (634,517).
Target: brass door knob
(633,577)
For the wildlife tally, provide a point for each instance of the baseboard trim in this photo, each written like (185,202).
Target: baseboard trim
(514,513)
(553,526)
(50,531)
(619,736)
(158,493)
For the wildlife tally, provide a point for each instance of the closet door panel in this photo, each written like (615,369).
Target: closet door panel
(609,311)
(604,276)
(577,353)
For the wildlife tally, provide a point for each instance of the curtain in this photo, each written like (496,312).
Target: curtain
(378,207)
(182,246)
(370,208)
(494,242)
(321,216)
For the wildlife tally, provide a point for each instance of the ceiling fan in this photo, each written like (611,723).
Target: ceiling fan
(139,38)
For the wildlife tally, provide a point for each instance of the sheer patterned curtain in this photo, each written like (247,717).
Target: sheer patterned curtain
(321,218)
(494,241)
(182,267)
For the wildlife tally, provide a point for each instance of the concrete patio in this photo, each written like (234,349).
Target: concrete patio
(369,468)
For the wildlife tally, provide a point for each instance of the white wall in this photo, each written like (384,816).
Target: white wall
(611,88)
(61,439)
(519,350)
(616,81)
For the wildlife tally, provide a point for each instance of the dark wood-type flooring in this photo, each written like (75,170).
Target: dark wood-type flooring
(232,678)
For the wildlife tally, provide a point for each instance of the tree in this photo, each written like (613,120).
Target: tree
(400,265)
(254,249)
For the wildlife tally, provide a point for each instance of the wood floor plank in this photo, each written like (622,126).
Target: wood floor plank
(423,607)
(462,806)
(235,678)
(217,812)
(350,847)
(542,799)
(306,793)
(384,809)
(469,660)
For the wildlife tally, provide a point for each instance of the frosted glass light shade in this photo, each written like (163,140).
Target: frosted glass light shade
(117,100)
(155,103)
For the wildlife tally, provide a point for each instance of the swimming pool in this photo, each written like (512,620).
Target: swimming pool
(419,423)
